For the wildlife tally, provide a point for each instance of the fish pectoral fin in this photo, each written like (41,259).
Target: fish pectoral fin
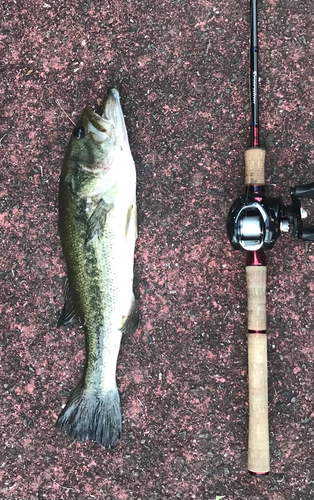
(97,220)
(131,218)
(68,314)
(132,320)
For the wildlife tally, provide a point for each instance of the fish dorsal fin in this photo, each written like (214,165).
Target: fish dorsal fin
(132,320)
(97,220)
(68,315)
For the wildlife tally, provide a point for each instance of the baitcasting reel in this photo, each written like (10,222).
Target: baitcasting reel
(256,221)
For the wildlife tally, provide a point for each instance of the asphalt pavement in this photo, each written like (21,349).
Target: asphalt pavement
(181,68)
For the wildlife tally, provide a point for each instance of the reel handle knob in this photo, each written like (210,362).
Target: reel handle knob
(306,191)
(307,234)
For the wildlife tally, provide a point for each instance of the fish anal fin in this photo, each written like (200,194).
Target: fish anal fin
(132,320)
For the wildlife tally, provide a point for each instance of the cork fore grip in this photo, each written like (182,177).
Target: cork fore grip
(256,292)
(258,446)
(254,166)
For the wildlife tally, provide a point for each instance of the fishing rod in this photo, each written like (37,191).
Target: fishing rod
(254,223)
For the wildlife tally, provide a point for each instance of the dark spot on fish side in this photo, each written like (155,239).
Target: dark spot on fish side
(79,132)
(121,148)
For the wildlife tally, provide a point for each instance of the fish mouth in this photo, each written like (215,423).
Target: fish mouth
(113,113)
(112,104)
(98,126)
(110,124)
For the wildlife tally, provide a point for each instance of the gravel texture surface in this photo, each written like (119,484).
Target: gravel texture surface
(182,71)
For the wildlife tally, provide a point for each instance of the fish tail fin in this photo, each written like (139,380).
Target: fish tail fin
(92,415)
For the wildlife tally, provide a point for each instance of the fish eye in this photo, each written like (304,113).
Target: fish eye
(79,132)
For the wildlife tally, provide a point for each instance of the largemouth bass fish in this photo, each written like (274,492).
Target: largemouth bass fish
(97,224)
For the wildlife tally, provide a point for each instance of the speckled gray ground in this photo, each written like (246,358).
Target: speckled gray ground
(182,71)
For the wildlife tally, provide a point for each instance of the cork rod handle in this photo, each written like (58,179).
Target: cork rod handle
(254,166)
(258,446)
